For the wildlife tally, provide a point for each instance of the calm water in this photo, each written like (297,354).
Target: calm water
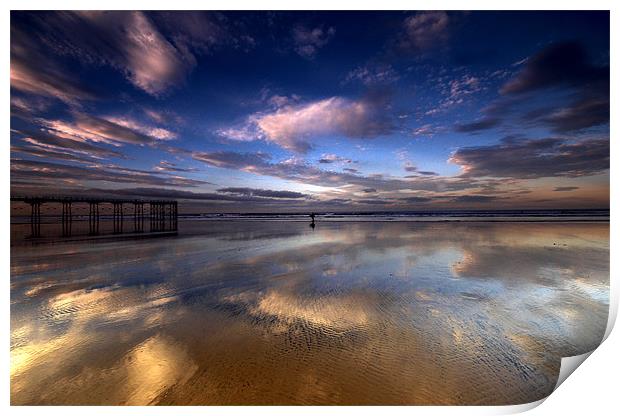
(244,312)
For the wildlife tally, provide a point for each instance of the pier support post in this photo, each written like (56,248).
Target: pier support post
(35,219)
(118,217)
(170,226)
(138,217)
(163,216)
(135,217)
(93,218)
(152,216)
(176,215)
(66,219)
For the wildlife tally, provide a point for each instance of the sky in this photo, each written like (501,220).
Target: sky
(321,111)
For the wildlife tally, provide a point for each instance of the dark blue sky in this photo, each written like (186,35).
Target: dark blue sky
(245,111)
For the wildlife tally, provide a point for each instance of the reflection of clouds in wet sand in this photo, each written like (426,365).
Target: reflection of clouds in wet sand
(336,312)
(138,378)
(70,330)
(275,313)
(152,367)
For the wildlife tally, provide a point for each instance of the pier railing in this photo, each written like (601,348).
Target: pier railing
(161,214)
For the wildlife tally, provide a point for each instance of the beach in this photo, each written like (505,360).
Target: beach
(277,312)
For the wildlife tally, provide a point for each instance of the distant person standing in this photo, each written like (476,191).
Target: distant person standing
(312,224)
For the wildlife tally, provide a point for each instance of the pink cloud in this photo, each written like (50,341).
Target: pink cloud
(149,61)
(293,126)
(155,132)
(116,131)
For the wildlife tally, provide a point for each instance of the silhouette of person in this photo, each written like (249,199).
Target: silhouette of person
(312,224)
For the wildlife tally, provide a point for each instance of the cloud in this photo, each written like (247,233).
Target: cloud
(149,61)
(26,107)
(584,113)
(49,173)
(197,31)
(308,41)
(45,141)
(298,171)
(159,133)
(474,198)
(373,74)
(418,173)
(47,154)
(267,193)
(530,159)
(559,64)
(113,130)
(332,158)
(565,188)
(416,199)
(232,160)
(456,91)
(217,197)
(427,130)
(425,30)
(293,126)
(565,69)
(477,126)
(165,166)
(410,167)
(33,72)
(127,41)
(163,117)
(371,201)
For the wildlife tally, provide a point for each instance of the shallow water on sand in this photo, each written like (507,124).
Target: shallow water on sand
(280,313)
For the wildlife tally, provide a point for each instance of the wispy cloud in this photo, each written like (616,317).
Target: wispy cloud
(477,126)
(308,41)
(165,166)
(425,30)
(373,74)
(427,130)
(130,42)
(267,193)
(33,72)
(45,141)
(48,172)
(159,133)
(110,130)
(332,158)
(456,91)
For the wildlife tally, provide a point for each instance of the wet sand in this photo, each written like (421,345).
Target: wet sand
(280,313)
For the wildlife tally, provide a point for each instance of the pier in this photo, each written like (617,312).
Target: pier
(162,215)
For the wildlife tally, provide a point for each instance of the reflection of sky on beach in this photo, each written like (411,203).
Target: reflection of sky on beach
(278,313)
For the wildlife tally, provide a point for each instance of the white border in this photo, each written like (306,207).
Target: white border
(593,389)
